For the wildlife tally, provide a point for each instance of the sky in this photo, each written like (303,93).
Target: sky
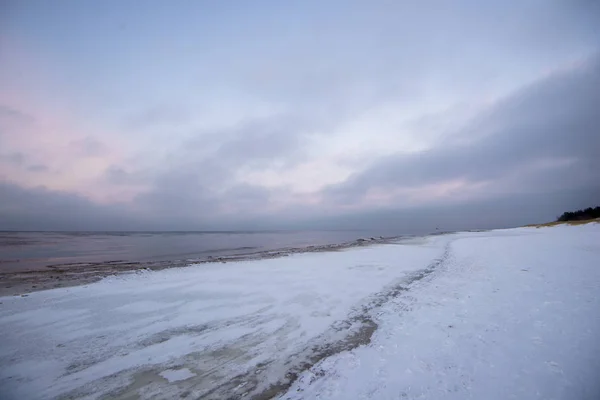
(204,115)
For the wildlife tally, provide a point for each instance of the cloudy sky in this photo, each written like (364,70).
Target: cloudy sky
(297,114)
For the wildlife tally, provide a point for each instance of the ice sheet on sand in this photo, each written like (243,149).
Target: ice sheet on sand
(174,375)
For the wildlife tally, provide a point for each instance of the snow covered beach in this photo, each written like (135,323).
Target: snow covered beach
(492,315)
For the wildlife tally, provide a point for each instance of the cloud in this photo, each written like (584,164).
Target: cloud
(158,117)
(43,209)
(15,158)
(89,147)
(535,153)
(37,168)
(201,179)
(304,115)
(19,160)
(279,138)
(548,124)
(118,175)
(500,211)
(11,114)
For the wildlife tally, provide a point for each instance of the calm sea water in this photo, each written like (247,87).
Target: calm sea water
(21,251)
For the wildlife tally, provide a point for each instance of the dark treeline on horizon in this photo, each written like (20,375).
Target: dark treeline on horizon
(580,215)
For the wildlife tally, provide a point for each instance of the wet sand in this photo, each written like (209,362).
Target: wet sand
(76,274)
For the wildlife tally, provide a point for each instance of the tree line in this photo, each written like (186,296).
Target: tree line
(580,215)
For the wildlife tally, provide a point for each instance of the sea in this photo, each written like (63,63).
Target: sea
(30,251)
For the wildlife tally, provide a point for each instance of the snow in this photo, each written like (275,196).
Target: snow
(219,321)
(491,315)
(508,314)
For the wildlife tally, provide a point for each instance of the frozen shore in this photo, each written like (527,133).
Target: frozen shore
(18,282)
(500,314)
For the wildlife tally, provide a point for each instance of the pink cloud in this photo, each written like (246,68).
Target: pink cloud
(39,123)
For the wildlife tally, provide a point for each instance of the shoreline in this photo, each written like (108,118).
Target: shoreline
(21,283)
(308,326)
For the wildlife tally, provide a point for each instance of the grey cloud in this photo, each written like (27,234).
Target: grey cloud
(11,120)
(552,120)
(265,141)
(40,208)
(503,211)
(199,178)
(248,194)
(89,147)
(181,193)
(37,168)
(158,117)
(15,158)
(404,48)
(118,175)
(11,114)
(43,209)
(19,159)
(366,57)
(353,56)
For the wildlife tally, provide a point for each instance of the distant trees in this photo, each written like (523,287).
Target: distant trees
(580,215)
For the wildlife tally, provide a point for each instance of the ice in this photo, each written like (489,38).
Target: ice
(174,375)
(488,315)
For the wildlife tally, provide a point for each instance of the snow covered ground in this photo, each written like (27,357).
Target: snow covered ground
(507,315)
(501,314)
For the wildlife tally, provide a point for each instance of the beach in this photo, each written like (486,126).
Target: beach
(498,314)
(23,276)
